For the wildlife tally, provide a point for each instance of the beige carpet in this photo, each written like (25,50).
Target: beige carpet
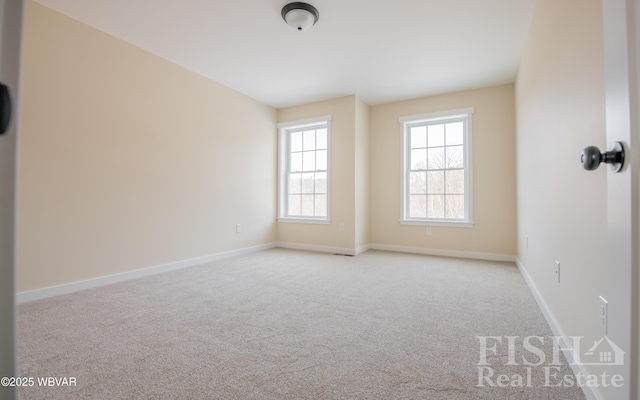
(283,324)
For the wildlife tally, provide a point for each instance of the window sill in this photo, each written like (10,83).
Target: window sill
(449,224)
(304,220)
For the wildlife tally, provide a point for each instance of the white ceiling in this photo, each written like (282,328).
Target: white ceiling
(380,50)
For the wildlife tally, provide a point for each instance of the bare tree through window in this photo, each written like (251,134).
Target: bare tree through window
(436,174)
(304,152)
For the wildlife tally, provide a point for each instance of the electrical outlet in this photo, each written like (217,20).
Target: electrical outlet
(557,270)
(238,228)
(602,313)
(428,231)
(341,227)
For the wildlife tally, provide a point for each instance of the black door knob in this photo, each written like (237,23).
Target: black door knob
(5,108)
(592,157)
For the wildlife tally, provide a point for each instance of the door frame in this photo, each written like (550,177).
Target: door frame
(622,49)
(11,15)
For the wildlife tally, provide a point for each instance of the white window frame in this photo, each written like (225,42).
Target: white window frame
(411,120)
(284,130)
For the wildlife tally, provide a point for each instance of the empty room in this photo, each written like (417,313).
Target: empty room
(261,199)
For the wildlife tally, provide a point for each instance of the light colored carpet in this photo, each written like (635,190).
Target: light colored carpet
(284,324)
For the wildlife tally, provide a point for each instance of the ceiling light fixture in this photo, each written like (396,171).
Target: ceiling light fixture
(300,16)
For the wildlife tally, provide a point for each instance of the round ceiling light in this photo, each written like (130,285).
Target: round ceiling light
(300,16)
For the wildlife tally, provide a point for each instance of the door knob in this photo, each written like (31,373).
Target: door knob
(592,157)
(5,108)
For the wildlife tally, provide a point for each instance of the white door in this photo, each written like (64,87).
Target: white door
(622,49)
(10,38)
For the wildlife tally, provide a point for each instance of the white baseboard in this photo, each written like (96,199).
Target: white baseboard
(52,291)
(105,280)
(444,253)
(399,249)
(66,288)
(362,249)
(589,393)
(321,249)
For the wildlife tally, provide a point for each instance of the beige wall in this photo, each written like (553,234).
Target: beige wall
(362,174)
(561,207)
(494,196)
(129,161)
(341,176)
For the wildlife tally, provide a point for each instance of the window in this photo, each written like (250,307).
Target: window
(304,171)
(436,168)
